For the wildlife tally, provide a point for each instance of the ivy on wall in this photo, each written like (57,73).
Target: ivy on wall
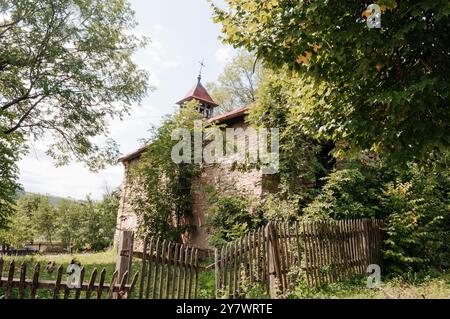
(164,197)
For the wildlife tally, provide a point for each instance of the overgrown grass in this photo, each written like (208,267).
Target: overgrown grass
(90,261)
(409,286)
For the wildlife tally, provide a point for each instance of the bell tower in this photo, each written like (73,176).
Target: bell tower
(198,92)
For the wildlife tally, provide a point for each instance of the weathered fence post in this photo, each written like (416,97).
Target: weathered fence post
(125,256)
(273,258)
(216,272)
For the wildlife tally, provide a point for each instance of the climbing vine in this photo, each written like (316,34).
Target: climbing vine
(164,199)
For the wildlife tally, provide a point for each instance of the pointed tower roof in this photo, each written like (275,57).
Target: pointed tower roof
(198,92)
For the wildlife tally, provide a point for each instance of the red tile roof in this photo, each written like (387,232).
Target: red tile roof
(198,92)
(230,115)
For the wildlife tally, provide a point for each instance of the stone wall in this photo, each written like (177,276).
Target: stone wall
(126,216)
(223,176)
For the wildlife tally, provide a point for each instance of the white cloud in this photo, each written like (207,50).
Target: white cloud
(224,55)
(158,28)
(156,55)
(39,175)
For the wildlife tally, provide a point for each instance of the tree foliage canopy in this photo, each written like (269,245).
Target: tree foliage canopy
(383,89)
(10,150)
(238,85)
(161,187)
(83,225)
(65,69)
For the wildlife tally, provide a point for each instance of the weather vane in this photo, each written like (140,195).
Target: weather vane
(202,65)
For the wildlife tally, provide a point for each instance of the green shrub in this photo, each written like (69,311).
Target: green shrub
(230,218)
(346,194)
(417,222)
(413,201)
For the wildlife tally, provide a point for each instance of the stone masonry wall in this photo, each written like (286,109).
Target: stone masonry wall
(222,177)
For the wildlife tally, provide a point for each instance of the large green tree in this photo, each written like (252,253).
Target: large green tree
(162,188)
(10,150)
(238,85)
(383,89)
(66,69)
(81,225)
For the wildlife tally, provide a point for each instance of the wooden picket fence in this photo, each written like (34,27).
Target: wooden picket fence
(324,252)
(169,270)
(241,260)
(115,289)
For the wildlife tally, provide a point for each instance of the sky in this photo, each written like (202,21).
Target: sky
(182,34)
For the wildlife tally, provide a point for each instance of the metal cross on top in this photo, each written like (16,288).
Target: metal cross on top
(202,65)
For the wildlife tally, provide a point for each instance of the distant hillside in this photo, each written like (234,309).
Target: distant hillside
(53,200)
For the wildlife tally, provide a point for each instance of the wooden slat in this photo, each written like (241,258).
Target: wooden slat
(169,263)
(318,252)
(289,251)
(361,252)
(358,243)
(220,271)
(345,249)
(255,256)
(311,249)
(185,272)
(150,264)
(58,283)
(23,276)
(155,276)
(180,270)
(327,250)
(279,236)
(333,249)
(250,257)
(321,237)
(161,269)
(297,241)
(101,283)
(78,290)
(224,270)
(91,284)
(143,268)
(196,274)
(265,255)
(35,281)
(217,272)
(355,226)
(306,251)
(328,243)
(289,243)
(348,255)
(354,247)
(9,281)
(112,283)
(309,256)
(122,291)
(191,273)
(235,270)
(241,265)
(175,268)
(230,269)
